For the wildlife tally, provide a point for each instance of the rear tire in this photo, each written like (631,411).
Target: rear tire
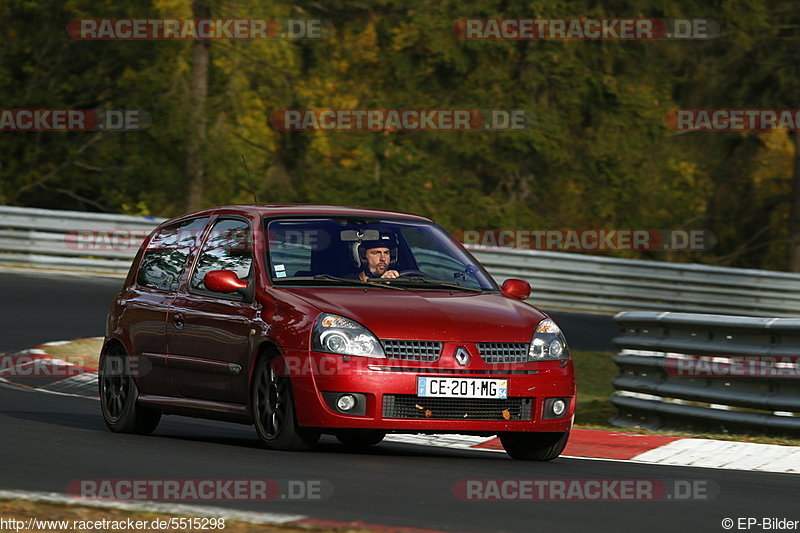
(534,446)
(274,413)
(118,396)
(360,439)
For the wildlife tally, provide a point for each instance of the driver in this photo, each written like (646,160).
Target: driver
(376,257)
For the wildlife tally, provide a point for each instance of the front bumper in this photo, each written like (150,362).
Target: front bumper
(389,388)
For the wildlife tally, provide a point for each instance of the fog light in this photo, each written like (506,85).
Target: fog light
(346,402)
(559,407)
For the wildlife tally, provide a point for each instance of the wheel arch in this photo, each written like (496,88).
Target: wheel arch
(112,343)
(266,348)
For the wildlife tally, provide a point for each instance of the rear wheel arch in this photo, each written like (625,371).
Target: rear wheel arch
(113,344)
(119,394)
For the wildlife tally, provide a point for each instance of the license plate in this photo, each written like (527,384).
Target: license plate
(462,387)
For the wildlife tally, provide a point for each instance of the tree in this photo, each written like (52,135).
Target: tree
(195,168)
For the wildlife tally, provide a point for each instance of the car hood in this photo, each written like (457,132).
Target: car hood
(429,315)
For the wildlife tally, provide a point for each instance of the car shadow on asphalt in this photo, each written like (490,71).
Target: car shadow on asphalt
(176,428)
(328,445)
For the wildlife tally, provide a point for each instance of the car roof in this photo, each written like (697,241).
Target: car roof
(304,209)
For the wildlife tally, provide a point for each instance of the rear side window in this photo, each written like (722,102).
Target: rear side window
(166,256)
(228,247)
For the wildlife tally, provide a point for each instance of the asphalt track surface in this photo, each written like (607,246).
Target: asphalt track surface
(46,441)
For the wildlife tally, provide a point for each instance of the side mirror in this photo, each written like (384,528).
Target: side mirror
(516,288)
(223,281)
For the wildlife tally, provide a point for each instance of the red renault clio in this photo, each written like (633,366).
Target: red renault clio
(304,320)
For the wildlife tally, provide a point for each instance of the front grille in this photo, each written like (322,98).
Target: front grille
(504,352)
(423,351)
(412,406)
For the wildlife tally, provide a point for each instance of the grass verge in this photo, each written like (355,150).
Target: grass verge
(81,352)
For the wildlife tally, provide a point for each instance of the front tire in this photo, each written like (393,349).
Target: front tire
(118,396)
(534,446)
(360,439)
(273,411)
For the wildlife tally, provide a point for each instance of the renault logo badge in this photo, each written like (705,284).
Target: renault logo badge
(462,356)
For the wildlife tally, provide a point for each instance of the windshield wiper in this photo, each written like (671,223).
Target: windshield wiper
(419,281)
(343,281)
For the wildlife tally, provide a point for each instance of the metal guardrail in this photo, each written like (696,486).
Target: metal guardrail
(708,372)
(572,281)
(54,239)
(594,283)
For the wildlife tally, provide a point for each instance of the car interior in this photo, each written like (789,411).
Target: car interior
(335,249)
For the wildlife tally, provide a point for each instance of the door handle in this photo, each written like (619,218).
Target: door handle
(178,320)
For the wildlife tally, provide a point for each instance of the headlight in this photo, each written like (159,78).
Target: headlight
(337,334)
(548,343)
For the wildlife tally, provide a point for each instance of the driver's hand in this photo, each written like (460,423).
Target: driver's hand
(391,274)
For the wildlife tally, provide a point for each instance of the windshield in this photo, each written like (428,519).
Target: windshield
(344,251)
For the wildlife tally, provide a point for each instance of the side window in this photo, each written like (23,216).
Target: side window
(166,256)
(291,248)
(228,247)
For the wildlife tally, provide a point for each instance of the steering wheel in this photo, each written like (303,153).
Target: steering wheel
(413,273)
